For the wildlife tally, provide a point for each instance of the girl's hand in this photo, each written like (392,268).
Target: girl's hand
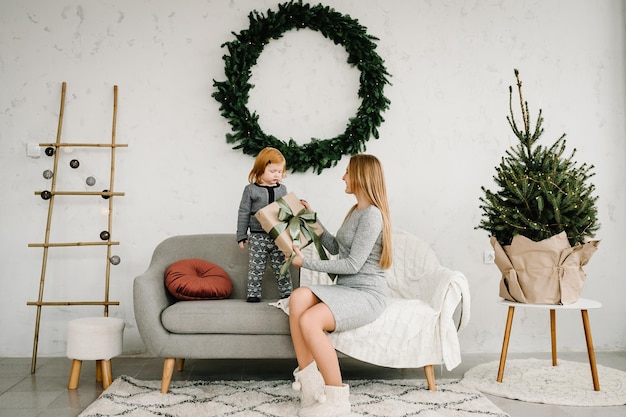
(297,260)
(242,244)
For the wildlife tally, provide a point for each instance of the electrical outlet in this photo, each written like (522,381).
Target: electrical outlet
(489,257)
(33,150)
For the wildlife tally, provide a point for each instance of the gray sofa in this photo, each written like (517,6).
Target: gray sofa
(417,329)
(215,329)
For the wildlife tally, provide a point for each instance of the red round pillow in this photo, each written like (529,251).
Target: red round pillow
(197,279)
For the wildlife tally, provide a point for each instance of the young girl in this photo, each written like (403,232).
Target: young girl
(363,246)
(264,188)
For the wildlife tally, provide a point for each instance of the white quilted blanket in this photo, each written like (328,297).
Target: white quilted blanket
(417,328)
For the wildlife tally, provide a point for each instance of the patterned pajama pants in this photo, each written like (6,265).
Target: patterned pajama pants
(262,247)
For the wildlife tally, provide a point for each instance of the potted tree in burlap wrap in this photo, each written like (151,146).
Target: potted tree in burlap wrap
(542,217)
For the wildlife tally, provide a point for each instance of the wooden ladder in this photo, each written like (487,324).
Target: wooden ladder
(105,237)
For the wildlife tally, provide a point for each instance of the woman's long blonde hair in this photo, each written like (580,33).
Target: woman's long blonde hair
(366,176)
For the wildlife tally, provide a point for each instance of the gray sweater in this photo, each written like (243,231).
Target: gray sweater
(358,245)
(360,295)
(254,198)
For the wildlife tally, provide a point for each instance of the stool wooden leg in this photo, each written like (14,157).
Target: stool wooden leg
(74,374)
(107,377)
(181,364)
(168,370)
(590,351)
(429,370)
(98,371)
(553,335)
(505,342)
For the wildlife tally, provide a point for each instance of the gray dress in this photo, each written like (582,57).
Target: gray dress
(361,291)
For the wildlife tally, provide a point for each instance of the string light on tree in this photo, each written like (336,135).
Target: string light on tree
(548,192)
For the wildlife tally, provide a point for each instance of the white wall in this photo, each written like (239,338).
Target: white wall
(451,61)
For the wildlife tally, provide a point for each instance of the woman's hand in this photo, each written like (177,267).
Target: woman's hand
(297,260)
(306,205)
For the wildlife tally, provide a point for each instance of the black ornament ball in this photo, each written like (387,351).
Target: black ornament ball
(104,235)
(115,260)
(49,151)
(74,163)
(46,195)
(106,197)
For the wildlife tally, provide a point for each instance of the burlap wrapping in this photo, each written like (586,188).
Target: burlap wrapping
(288,222)
(275,218)
(545,272)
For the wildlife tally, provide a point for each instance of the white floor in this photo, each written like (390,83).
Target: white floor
(45,394)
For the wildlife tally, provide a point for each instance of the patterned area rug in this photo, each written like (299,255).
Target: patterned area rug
(537,381)
(408,397)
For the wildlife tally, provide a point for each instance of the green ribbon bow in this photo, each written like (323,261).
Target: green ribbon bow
(299,224)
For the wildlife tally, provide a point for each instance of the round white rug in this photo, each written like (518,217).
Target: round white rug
(537,381)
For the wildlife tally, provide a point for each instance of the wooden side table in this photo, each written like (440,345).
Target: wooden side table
(582,304)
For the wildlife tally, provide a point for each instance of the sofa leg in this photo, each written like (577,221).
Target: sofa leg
(168,370)
(181,364)
(429,370)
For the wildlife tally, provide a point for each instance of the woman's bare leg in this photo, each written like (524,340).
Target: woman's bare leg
(314,323)
(309,320)
(300,301)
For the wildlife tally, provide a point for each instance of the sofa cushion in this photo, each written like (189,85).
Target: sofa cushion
(197,279)
(229,316)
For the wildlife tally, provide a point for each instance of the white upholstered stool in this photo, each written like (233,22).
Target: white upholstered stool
(583,304)
(94,338)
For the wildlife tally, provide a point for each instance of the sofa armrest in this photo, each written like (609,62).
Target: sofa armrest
(150,298)
(451,290)
(443,280)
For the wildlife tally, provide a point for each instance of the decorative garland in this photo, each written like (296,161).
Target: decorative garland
(244,51)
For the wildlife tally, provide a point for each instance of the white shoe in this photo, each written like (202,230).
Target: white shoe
(337,403)
(310,383)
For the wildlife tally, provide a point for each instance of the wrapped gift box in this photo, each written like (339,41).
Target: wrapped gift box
(285,218)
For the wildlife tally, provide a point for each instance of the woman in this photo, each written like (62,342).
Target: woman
(363,246)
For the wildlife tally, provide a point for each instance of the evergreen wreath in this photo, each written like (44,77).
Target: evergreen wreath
(248,45)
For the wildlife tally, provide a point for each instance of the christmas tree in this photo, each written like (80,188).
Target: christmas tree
(541,192)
